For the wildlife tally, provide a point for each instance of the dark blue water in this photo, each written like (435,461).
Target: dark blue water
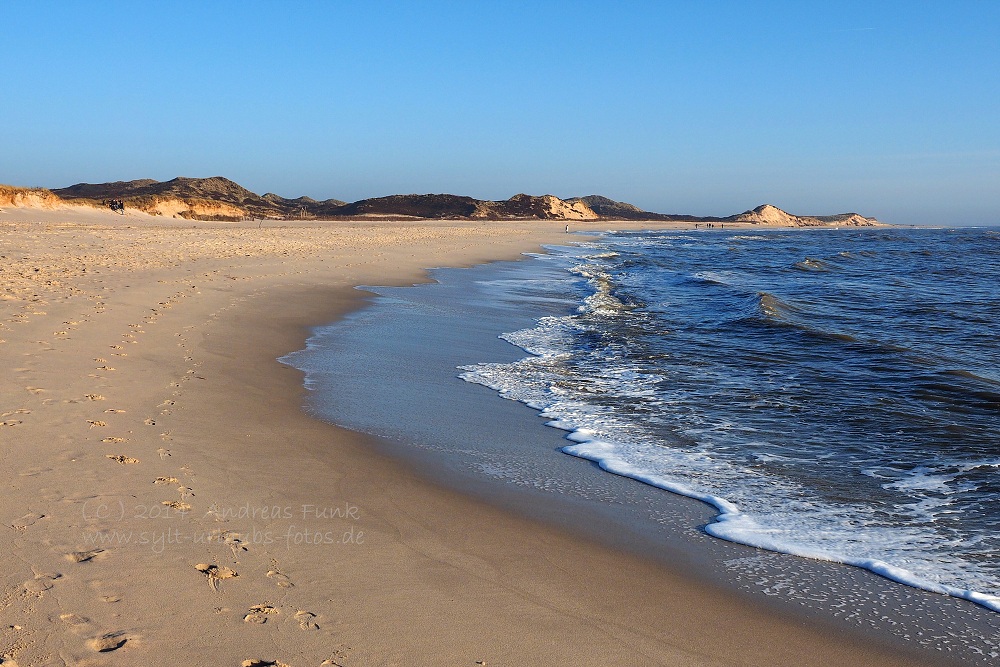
(835,394)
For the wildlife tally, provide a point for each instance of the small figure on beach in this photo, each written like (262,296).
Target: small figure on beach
(567,229)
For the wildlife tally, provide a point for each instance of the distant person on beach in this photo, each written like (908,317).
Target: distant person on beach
(567,229)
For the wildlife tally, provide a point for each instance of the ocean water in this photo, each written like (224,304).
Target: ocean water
(833,394)
(825,393)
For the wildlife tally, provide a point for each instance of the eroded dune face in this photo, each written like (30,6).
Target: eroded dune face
(569,210)
(28,197)
(528,206)
(191,209)
(766,214)
(40,199)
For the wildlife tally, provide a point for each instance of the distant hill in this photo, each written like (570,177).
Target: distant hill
(772,215)
(610,209)
(412,206)
(214,198)
(219,198)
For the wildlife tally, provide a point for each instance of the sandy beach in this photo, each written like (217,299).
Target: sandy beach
(169,502)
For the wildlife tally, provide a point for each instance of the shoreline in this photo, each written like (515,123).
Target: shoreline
(427,576)
(466,437)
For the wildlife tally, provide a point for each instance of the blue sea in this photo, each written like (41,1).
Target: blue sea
(833,394)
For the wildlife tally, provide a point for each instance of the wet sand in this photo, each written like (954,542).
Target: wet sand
(169,501)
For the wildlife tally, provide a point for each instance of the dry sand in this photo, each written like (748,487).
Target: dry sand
(169,503)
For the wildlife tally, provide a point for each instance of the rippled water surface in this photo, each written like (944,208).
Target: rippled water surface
(833,393)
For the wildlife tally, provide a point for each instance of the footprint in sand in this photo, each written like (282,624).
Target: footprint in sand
(233,540)
(257,662)
(83,556)
(34,390)
(164,453)
(216,574)
(340,656)
(149,422)
(79,625)
(121,458)
(177,505)
(11,422)
(41,583)
(305,619)
(109,641)
(28,519)
(113,439)
(259,613)
(96,422)
(114,411)
(94,397)
(280,579)
(165,480)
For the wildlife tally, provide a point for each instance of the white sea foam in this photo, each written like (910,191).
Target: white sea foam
(773,532)
(755,508)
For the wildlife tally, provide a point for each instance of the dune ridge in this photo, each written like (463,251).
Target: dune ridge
(769,214)
(29,197)
(220,199)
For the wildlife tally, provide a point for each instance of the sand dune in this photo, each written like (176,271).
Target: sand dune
(218,198)
(29,198)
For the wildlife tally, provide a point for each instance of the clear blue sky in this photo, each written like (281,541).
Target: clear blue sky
(888,108)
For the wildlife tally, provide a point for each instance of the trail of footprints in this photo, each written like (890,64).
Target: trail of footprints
(216,575)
